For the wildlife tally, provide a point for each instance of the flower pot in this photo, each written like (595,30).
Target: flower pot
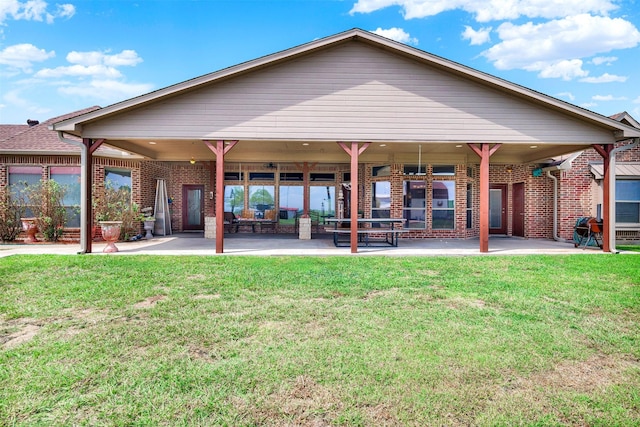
(111,234)
(30,226)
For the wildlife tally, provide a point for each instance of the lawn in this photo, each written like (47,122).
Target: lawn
(314,341)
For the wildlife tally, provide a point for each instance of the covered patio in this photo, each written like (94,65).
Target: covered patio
(348,104)
(274,245)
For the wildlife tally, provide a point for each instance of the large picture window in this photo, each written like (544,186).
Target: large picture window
(443,210)
(69,179)
(261,198)
(322,200)
(414,204)
(627,201)
(20,177)
(381,199)
(234,199)
(291,203)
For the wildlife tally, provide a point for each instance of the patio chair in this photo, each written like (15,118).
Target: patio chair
(230,221)
(248,214)
(271,220)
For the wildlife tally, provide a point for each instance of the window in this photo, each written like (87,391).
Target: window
(322,200)
(69,179)
(469,205)
(233,176)
(261,198)
(291,203)
(415,169)
(443,210)
(414,204)
(323,177)
(448,170)
(381,170)
(261,176)
(628,201)
(21,177)
(381,199)
(118,178)
(291,176)
(234,199)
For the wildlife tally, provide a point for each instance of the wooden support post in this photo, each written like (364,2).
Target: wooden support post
(87,234)
(484,151)
(605,151)
(354,151)
(220,150)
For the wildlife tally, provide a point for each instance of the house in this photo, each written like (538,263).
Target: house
(455,152)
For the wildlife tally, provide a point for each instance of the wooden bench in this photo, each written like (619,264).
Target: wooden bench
(366,236)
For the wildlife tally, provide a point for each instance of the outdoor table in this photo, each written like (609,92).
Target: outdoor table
(367,233)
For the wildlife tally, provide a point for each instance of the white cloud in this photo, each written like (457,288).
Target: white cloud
(608,60)
(481,36)
(567,70)
(34,10)
(397,34)
(124,58)
(637,100)
(567,95)
(605,78)
(94,64)
(106,90)
(490,10)
(539,46)
(608,98)
(80,71)
(22,56)
(588,104)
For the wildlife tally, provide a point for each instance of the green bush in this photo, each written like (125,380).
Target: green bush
(11,210)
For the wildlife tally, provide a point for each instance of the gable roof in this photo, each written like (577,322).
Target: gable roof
(626,118)
(24,139)
(621,129)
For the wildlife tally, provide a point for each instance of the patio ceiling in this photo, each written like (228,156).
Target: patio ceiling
(330,151)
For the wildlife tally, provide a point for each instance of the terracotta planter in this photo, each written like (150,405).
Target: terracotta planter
(30,226)
(111,234)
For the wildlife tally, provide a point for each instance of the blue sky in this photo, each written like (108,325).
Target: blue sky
(56,58)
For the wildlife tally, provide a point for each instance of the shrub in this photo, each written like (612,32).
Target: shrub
(46,200)
(11,210)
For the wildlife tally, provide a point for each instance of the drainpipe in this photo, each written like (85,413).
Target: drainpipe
(83,189)
(564,166)
(612,190)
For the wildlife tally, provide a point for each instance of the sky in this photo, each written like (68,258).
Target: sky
(60,57)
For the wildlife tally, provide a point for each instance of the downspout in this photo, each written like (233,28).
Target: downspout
(612,190)
(83,189)
(564,166)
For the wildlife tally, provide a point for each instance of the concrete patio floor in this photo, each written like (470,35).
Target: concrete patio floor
(263,245)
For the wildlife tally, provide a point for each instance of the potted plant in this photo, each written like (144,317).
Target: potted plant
(111,206)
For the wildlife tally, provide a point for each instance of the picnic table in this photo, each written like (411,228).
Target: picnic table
(371,231)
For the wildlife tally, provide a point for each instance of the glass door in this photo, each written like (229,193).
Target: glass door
(193,207)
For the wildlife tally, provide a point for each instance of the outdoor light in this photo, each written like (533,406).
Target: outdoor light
(192,161)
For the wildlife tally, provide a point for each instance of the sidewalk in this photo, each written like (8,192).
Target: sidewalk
(265,245)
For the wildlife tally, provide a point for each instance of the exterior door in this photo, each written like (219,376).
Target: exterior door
(498,209)
(518,209)
(193,207)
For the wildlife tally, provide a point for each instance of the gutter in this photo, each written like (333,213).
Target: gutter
(612,190)
(83,189)
(564,166)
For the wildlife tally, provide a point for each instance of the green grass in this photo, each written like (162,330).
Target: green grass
(345,341)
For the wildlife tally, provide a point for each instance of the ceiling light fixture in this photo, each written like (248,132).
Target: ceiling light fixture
(152,143)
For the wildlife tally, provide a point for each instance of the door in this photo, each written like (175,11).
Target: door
(518,209)
(498,209)
(193,207)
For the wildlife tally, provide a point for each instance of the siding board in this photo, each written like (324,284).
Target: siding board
(349,92)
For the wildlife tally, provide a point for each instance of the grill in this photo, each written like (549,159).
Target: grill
(587,232)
